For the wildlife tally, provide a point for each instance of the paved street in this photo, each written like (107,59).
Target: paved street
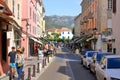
(66,66)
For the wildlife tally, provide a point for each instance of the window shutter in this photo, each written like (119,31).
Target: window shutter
(114,6)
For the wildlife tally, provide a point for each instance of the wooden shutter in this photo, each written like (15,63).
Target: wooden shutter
(114,6)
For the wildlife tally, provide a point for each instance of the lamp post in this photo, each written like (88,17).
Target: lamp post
(94,37)
(27,27)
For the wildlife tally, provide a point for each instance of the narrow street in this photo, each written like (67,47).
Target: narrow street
(66,66)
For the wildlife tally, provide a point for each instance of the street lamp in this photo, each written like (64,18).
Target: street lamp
(94,37)
(27,27)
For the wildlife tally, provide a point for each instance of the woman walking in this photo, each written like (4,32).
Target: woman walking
(19,63)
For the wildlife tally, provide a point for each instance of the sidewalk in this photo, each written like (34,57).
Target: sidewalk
(29,64)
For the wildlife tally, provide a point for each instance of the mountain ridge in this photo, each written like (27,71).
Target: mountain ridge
(56,21)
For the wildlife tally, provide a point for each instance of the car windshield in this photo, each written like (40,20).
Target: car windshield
(113,63)
(90,54)
(99,57)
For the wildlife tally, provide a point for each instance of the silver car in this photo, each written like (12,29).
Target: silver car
(108,68)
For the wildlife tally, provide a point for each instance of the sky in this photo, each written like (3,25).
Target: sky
(62,7)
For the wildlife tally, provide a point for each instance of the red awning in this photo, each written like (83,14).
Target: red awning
(8,12)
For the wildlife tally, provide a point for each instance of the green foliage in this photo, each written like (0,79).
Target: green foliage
(55,35)
(73,30)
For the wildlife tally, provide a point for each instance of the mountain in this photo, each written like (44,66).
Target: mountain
(56,21)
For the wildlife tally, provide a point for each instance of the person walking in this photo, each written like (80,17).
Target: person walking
(19,59)
(12,55)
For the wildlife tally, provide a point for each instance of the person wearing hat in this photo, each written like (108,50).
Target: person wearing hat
(12,55)
(19,63)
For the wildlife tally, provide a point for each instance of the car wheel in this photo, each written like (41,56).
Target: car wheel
(105,79)
(90,68)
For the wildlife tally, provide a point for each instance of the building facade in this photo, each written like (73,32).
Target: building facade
(77,25)
(29,26)
(116,24)
(66,33)
(14,36)
(5,26)
(40,19)
(96,20)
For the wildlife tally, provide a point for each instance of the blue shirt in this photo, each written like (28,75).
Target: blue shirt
(12,56)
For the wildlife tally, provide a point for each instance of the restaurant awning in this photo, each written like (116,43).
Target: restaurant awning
(35,40)
(82,40)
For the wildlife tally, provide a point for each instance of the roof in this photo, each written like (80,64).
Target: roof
(65,29)
(58,30)
(51,30)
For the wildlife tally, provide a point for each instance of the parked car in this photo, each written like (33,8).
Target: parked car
(95,60)
(108,68)
(82,55)
(88,57)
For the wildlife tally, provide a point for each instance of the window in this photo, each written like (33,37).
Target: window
(13,4)
(68,37)
(18,10)
(33,29)
(68,32)
(33,15)
(30,12)
(114,6)
(110,4)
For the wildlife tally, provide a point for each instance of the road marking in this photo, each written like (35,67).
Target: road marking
(69,70)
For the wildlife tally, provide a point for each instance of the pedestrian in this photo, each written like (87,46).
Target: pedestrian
(19,59)
(12,55)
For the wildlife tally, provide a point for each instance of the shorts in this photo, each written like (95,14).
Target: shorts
(13,65)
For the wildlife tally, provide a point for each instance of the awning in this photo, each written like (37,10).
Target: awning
(6,9)
(82,40)
(35,40)
(74,40)
(6,17)
(90,38)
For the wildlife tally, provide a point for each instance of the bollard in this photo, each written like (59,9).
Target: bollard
(33,75)
(10,75)
(23,74)
(29,74)
(38,69)
(43,63)
(48,59)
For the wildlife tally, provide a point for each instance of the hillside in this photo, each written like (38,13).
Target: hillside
(59,21)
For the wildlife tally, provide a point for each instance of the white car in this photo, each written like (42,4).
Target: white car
(87,58)
(95,60)
(108,68)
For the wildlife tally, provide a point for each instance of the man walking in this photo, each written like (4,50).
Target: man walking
(12,55)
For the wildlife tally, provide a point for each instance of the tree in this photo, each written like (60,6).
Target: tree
(73,30)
